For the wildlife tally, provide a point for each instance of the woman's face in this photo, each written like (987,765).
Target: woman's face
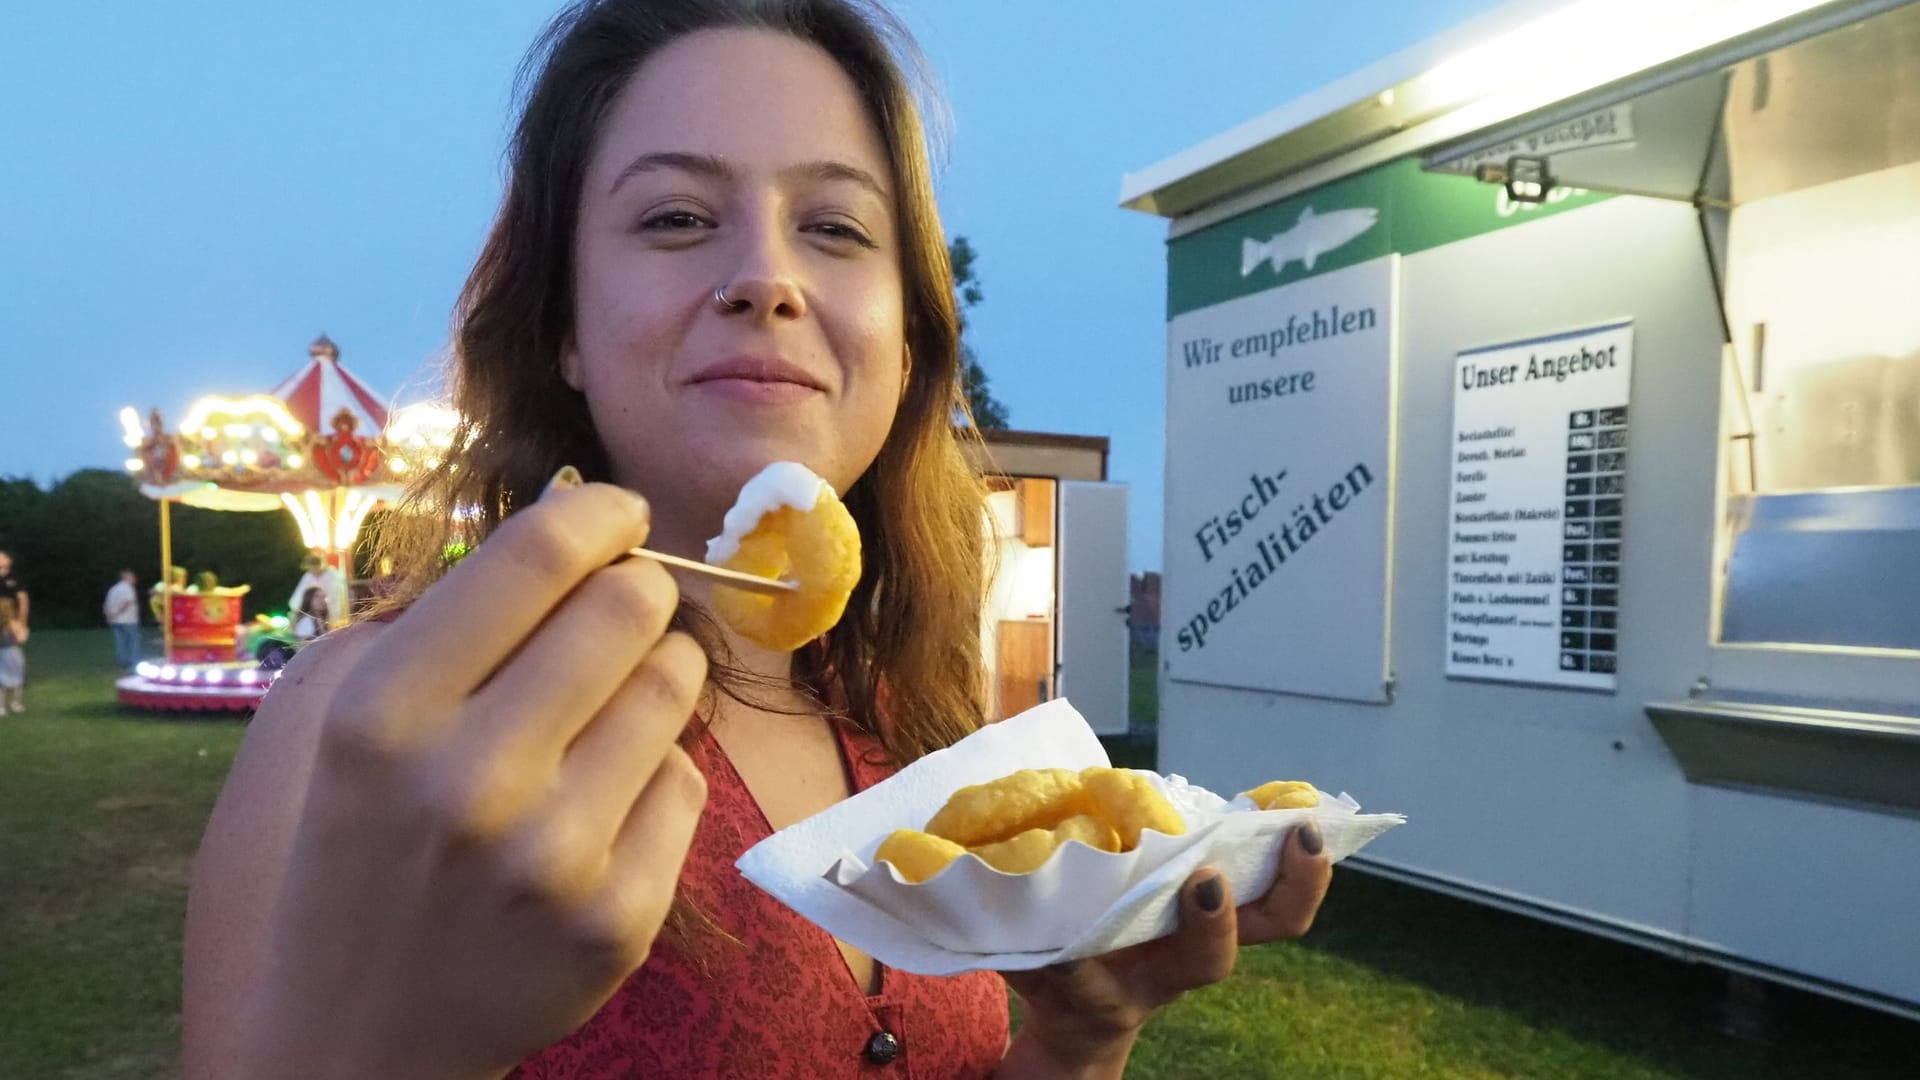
(739,159)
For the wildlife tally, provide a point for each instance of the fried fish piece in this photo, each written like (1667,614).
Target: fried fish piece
(1029,850)
(788,523)
(917,855)
(1004,808)
(1129,802)
(1090,831)
(1284,795)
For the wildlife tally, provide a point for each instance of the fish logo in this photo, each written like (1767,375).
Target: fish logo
(1312,236)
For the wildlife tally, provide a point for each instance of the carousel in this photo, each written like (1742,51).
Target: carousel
(321,446)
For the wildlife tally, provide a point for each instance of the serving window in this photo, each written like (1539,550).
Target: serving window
(1820,523)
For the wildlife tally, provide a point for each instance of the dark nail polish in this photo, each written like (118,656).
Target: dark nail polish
(1311,841)
(1208,894)
(566,477)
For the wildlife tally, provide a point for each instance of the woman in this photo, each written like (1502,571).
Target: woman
(311,618)
(13,660)
(718,249)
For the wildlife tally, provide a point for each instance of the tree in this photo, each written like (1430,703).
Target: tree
(988,413)
(76,540)
(71,542)
(20,500)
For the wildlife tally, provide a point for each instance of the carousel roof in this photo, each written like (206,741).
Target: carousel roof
(271,450)
(316,393)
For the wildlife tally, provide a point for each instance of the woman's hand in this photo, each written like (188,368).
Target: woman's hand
(498,812)
(1080,1019)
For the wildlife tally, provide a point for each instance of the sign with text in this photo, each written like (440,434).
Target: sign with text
(1279,428)
(1539,461)
(1611,126)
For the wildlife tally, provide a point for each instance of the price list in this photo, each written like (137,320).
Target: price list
(1537,509)
(1590,556)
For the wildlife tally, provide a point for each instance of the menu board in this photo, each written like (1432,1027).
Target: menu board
(1539,464)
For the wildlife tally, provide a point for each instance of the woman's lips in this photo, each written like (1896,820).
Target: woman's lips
(757,380)
(755,391)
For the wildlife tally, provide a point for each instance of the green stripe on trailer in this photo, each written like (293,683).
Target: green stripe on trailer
(1396,207)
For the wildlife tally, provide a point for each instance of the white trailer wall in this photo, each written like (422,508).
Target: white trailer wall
(1567,802)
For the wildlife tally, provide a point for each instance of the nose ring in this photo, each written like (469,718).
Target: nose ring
(724,304)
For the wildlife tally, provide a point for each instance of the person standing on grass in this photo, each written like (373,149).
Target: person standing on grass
(13,662)
(12,589)
(14,605)
(122,609)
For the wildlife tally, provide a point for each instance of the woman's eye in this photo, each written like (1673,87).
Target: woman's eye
(674,221)
(840,230)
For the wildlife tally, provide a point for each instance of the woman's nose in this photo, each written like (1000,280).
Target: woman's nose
(766,281)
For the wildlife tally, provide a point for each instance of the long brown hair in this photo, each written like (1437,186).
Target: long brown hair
(912,625)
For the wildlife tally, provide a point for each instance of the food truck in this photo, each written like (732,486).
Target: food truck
(1543,461)
(1055,619)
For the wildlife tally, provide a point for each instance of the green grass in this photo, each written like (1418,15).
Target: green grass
(1394,982)
(1143,693)
(100,811)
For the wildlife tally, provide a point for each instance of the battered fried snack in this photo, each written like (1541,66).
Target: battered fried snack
(998,809)
(917,855)
(1014,824)
(1284,795)
(1026,852)
(1130,803)
(787,523)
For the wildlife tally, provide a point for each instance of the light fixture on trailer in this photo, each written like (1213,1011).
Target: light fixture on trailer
(1527,179)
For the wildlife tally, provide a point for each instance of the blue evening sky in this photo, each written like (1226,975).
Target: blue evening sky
(191,191)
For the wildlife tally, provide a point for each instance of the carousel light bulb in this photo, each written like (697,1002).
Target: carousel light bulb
(249,677)
(398,464)
(433,463)
(353,511)
(251,457)
(215,676)
(169,673)
(200,417)
(294,461)
(146,669)
(134,464)
(229,458)
(191,461)
(317,517)
(208,433)
(310,516)
(130,426)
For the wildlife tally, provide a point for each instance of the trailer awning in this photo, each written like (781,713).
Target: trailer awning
(1525,68)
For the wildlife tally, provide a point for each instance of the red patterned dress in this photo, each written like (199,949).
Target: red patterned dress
(782,1003)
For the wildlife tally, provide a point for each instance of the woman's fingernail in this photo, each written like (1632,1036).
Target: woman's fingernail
(1311,841)
(565,477)
(1208,894)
